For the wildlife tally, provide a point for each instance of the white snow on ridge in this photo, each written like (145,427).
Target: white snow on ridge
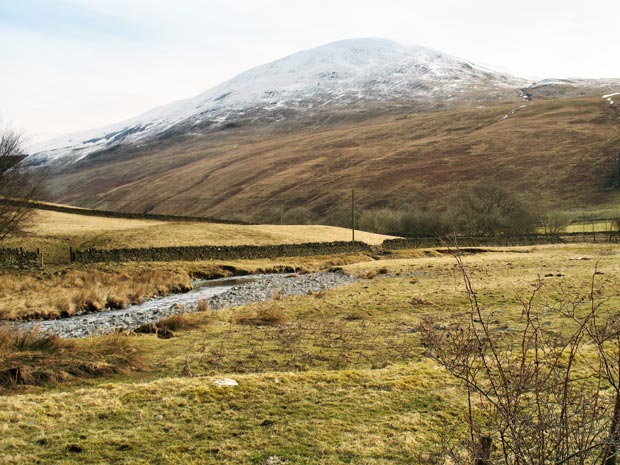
(340,73)
(609,98)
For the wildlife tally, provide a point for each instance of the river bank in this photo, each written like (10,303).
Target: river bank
(219,294)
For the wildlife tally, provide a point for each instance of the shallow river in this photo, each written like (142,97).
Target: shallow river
(220,293)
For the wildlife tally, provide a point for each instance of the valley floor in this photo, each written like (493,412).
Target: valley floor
(330,378)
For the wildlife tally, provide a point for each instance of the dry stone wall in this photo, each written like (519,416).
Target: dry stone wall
(124,215)
(216,252)
(19,258)
(497,241)
(23,259)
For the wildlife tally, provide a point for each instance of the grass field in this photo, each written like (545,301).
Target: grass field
(91,231)
(334,378)
(55,232)
(62,289)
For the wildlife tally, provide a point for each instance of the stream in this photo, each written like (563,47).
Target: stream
(220,293)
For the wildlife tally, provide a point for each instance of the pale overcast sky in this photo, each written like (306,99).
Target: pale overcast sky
(70,65)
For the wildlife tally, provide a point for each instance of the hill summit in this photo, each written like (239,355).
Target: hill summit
(340,75)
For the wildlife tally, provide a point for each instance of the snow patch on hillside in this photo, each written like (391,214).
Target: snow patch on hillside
(609,97)
(338,74)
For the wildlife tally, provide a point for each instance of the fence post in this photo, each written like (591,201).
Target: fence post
(485,451)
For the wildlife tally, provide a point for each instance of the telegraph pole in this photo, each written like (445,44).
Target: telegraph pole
(281,212)
(353,214)
(616,163)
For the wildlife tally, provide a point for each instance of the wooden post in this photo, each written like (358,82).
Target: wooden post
(615,158)
(484,454)
(281,213)
(611,453)
(353,215)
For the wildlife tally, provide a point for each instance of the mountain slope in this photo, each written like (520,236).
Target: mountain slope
(556,153)
(401,125)
(331,78)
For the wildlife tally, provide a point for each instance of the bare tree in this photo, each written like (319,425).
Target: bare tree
(541,396)
(18,185)
(554,222)
(489,210)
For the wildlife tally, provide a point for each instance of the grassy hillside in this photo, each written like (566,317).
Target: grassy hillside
(556,153)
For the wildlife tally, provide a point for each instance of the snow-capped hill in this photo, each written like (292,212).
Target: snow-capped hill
(341,74)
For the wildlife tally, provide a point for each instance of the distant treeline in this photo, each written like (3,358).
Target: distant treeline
(482,211)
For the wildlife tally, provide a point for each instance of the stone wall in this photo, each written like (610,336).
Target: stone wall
(217,252)
(462,241)
(125,215)
(599,237)
(20,259)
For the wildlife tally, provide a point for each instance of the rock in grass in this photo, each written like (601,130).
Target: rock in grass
(225,382)
(275,460)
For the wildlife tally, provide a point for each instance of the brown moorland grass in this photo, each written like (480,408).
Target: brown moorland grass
(164,328)
(555,153)
(343,379)
(59,291)
(65,292)
(32,359)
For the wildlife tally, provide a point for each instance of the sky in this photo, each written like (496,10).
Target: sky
(72,65)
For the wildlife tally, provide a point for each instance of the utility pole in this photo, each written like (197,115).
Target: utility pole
(353,214)
(281,212)
(616,162)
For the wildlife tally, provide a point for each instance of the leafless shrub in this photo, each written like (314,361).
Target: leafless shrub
(554,222)
(541,396)
(18,185)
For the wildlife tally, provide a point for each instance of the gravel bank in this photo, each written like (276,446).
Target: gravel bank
(219,293)
(264,289)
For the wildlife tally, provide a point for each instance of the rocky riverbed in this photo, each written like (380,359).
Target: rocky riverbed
(220,294)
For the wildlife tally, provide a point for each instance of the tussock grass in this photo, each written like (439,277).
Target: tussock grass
(32,359)
(74,291)
(262,317)
(164,328)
